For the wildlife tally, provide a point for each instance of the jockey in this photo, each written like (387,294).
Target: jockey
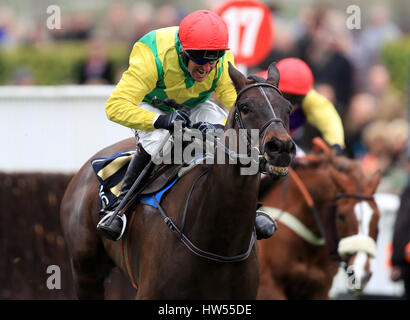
(186,64)
(296,82)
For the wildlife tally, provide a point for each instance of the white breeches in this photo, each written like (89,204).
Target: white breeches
(151,141)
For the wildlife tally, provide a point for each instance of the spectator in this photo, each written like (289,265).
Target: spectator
(386,144)
(390,104)
(11,32)
(167,15)
(96,68)
(369,42)
(328,57)
(142,20)
(398,133)
(284,41)
(375,139)
(361,112)
(81,26)
(116,26)
(65,32)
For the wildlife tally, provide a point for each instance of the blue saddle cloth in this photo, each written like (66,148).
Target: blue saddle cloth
(110,172)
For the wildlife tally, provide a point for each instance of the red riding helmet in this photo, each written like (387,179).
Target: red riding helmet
(295,76)
(203,30)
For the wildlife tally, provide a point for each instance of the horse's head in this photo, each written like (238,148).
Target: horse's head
(260,105)
(356,220)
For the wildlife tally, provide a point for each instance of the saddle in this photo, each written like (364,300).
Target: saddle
(110,172)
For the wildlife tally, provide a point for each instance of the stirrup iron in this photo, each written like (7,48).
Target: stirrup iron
(108,216)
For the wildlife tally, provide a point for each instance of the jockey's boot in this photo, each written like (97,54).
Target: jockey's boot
(265,226)
(115,230)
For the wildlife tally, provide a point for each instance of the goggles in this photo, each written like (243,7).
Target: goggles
(204,56)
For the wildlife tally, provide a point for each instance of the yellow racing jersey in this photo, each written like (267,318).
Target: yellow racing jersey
(321,113)
(157,70)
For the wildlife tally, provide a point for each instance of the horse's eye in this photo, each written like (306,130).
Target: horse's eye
(245,109)
(341,217)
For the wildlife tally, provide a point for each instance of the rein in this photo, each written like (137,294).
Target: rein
(179,232)
(194,249)
(309,201)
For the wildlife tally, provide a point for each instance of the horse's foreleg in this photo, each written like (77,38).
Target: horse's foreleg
(89,276)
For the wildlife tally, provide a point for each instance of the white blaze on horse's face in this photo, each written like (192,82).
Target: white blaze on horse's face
(365,245)
(364,215)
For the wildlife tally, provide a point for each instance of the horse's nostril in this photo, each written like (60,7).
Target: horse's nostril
(276,145)
(273,146)
(291,147)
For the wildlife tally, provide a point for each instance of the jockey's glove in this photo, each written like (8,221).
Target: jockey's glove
(206,126)
(338,149)
(166,121)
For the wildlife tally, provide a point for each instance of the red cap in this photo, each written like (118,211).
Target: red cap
(263,74)
(295,76)
(203,30)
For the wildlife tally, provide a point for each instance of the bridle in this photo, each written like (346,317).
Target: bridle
(178,232)
(362,242)
(240,123)
(359,196)
(258,85)
(310,203)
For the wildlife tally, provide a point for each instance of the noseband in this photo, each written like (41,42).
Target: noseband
(354,196)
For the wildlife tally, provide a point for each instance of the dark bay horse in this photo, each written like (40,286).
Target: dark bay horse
(298,262)
(219,225)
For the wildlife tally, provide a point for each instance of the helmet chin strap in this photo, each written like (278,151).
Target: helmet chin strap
(184,58)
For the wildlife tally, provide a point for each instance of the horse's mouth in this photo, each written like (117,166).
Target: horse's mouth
(278,165)
(276,171)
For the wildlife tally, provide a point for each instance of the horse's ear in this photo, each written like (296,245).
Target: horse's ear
(239,80)
(273,74)
(374,181)
(340,179)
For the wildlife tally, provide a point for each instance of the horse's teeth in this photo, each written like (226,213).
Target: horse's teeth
(279,170)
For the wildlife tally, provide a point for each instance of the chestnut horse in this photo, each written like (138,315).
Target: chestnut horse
(336,221)
(214,256)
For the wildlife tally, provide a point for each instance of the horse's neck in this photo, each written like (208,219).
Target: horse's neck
(226,208)
(322,192)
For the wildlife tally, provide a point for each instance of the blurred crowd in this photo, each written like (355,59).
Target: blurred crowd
(349,71)
(346,65)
